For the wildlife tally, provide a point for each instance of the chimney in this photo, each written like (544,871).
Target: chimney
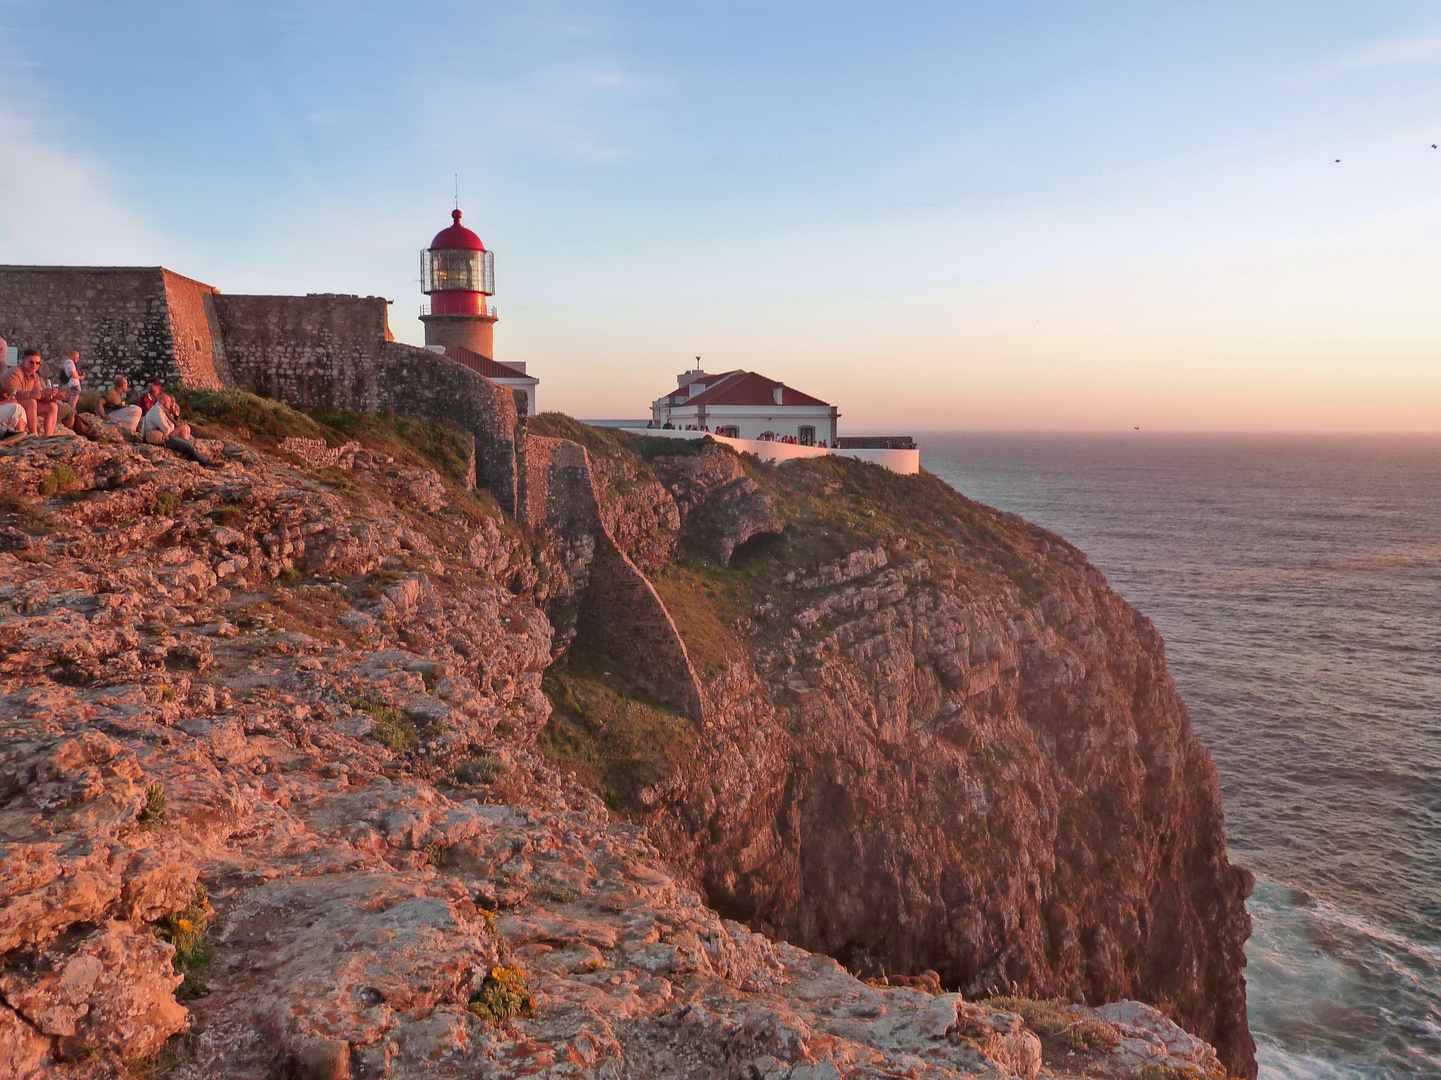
(779,389)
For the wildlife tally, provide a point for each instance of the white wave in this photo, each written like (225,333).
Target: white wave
(1336,996)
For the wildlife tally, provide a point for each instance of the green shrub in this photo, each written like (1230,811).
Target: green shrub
(152,814)
(478,771)
(392,730)
(502,996)
(188,931)
(60,477)
(165,504)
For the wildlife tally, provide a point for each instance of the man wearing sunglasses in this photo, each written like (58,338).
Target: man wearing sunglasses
(25,386)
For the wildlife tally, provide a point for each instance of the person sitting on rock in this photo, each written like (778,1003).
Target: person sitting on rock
(112,407)
(163,426)
(13,420)
(24,385)
(162,416)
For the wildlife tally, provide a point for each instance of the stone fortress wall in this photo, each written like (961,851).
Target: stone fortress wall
(316,353)
(140,322)
(322,353)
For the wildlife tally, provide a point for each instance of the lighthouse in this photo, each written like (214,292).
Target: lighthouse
(458,275)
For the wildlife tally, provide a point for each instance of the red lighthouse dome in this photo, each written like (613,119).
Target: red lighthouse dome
(456,271)
(458,275)
(457,237)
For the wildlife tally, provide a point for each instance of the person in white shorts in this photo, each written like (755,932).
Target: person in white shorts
(13,419)
(162,417)
(112,407)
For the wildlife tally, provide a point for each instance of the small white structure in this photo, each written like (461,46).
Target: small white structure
(511,374)
(744,405)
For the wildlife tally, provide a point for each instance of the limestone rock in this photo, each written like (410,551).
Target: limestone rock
(336,738)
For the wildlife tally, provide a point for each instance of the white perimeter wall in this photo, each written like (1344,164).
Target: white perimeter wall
(905,462)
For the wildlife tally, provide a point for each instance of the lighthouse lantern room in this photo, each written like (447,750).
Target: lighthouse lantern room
(458,274)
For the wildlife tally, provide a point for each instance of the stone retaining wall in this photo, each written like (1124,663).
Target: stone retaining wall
(623,618)
(426,385)
(621,615)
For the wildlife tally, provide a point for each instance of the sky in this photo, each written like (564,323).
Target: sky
(934,215)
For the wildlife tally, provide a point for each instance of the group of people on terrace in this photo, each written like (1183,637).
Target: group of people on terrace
(770,436)
(34,406)
(765,436)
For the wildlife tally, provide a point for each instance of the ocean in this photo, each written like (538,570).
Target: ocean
(1297,582)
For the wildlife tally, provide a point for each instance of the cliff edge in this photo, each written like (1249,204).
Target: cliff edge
(935,739)
(283,792)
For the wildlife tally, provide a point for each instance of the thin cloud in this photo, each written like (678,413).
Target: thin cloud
(57,207)
(1392,53)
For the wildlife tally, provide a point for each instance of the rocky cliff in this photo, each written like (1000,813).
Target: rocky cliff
(282,793)
(936,739)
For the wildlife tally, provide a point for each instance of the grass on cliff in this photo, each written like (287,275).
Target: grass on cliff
(705,603)
(615,740)
(443,447)
(251,417)
(393,730)
(556,425)
(610,442)
(1053,1020)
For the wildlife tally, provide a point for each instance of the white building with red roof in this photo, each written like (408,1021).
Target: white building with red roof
(745,405)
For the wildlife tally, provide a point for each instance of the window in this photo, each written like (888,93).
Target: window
(806,436)
(730,432)
(467,271)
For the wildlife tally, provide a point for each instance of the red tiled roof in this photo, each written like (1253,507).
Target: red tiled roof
(678,395)
(748,388)
(483,365)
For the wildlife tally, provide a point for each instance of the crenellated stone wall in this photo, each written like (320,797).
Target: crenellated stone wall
(317,353)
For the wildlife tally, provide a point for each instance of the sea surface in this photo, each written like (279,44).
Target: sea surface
(1297,582)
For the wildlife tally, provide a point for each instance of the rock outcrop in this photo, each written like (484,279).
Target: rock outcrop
(938,740)
(272,805)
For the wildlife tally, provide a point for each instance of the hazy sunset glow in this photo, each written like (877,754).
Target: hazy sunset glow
(936,216)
